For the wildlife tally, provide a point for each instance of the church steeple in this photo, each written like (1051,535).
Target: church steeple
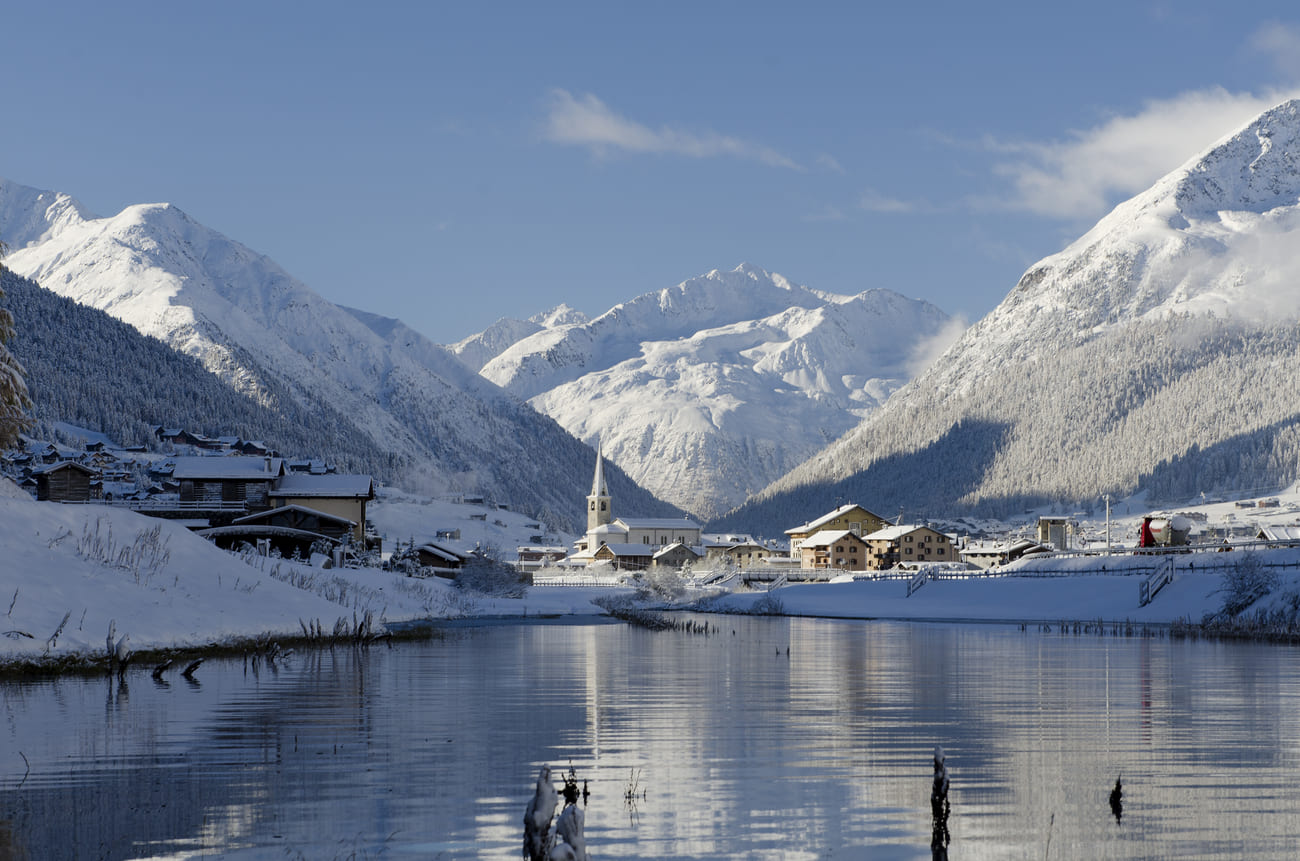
(598,502)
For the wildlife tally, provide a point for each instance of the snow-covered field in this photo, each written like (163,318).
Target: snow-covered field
(79,571)
(163,587)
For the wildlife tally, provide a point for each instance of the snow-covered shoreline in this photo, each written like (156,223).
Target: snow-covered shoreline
(71,573)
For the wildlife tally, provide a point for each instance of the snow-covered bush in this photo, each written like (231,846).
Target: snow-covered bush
(665,583)
(488,576)
(1246,582)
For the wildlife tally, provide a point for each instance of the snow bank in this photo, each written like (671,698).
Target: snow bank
(167,588)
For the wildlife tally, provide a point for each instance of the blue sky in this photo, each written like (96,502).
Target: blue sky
(450,164)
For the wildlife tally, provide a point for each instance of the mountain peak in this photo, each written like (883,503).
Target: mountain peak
(1256,169)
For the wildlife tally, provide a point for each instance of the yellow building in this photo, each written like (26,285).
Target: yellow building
(853,518)
(895,545)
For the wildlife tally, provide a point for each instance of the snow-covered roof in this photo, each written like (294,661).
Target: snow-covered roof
(628,549)
(64,464)
(284,509)
(828,536)
(441,552)
(657,523)
(227,467)
(727,539)
(893,533)
(1280,533)
(698,552)
(333,485)
(812,525)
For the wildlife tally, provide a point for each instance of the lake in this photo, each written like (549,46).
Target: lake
(764,738)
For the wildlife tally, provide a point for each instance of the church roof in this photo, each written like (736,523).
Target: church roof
(657,523)
(598,486)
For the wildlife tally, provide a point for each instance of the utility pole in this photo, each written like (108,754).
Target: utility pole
(1107,498)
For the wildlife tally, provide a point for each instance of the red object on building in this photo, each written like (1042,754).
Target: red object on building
(1145,538)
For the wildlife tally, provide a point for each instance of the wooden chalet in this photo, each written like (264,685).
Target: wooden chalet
(626,557)
(290,529)
(65,481)
(341,495)
(443,561)
(230,481)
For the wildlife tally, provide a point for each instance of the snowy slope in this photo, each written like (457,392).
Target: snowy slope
(1156,352)
(246,319)
(707,391)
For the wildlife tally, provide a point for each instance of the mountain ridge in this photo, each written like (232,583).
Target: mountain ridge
(706,391)
(1146,342)
(258,328)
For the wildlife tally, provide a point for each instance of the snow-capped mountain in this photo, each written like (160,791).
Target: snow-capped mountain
(441,426)
(707,391)
(1158,352)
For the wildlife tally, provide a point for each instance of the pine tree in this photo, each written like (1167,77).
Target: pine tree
(13,389)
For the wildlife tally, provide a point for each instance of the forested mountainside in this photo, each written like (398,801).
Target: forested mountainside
(269,336)
(91,370)
(1157,353)
(88,369)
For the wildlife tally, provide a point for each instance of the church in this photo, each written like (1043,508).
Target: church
(627,542)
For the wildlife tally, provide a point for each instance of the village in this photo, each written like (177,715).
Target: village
(242,494)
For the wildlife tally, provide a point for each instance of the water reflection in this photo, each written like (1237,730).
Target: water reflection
(769,738)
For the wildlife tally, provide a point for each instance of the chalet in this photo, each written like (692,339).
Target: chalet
(443,560)
(289,529)
(988,554)
(341,495)
(253,448)
(908,543)
(739,550)
(839,549)
(853,518)
(310,467)
(677,556)
(178,436)
(1278,536)
(625,557)
(65,481)
(231,481)
(533,556)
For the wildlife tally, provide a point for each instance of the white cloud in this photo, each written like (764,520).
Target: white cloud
(1281,43)
(873,201)
(829,162)
(1084,176)
(587,121)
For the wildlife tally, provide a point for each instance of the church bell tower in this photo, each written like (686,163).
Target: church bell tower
(598,502)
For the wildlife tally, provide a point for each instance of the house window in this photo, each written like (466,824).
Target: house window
(908,539)
(908,551)
(646,539)
(928,538)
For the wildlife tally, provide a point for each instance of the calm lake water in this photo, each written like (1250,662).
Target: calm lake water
(771,738)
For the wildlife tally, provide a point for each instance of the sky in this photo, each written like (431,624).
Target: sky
(449,164)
